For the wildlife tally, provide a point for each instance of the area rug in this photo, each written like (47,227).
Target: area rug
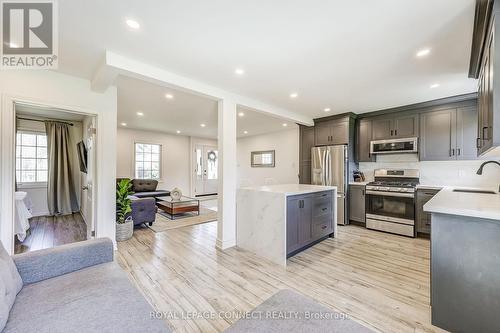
(164,223)
(288,311)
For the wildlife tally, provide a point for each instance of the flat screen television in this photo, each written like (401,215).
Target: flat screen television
(82,156)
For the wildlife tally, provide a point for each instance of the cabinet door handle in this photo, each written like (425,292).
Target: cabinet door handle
(478,143)
(458,151)
(323,209)
(392,132)
(396,132)
(323,227)
(485,136)
(453,152)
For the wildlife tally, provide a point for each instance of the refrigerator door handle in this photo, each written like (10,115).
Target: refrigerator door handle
(326,168)
(329,168)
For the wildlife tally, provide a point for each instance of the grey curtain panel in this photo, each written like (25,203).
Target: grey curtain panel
(61,194)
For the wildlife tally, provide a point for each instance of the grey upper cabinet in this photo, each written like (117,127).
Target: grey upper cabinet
(322,134)
(406,126)
(306,143)
(363,138)
(390,127)
(483,64)
(437,135)
(332,132)
(448,134)
(467,119)
(357,203)
(381,128)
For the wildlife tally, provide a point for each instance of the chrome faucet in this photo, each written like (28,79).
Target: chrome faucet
(480,170)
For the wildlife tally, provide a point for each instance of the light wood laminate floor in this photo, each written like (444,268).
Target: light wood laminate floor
(378,279)
(49,231)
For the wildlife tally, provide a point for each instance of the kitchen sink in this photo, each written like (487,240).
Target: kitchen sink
(465,190)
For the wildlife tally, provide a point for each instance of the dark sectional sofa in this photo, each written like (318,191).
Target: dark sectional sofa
(144,200)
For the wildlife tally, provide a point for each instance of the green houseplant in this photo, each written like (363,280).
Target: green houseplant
(124,224)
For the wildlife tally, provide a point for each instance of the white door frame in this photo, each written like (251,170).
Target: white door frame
(8,158)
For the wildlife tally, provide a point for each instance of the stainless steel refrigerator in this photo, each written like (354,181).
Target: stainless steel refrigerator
(330,168)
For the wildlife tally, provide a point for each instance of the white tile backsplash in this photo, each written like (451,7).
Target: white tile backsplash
(440,173)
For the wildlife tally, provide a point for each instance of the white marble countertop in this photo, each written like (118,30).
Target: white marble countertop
(358,183)
(430,187)
(478,205)
(290,189)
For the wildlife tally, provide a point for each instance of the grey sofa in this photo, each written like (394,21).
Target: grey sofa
(146,188)
(143,210)
(71,288)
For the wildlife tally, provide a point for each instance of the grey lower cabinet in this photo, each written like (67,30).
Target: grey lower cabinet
(423,219)
(309,220)
(448,134)
(357,201)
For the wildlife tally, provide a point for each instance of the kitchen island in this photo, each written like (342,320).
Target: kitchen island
(278,221)
(465,259)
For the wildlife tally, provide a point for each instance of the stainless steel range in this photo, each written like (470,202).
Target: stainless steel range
(390,201)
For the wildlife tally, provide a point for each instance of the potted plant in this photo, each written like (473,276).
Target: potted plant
(124,223)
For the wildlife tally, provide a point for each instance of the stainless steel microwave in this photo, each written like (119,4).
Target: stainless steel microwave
(394,146)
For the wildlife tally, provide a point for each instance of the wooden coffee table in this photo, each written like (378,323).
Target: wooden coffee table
(181,206)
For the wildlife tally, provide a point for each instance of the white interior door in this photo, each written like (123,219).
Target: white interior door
(88,188)
(206,169)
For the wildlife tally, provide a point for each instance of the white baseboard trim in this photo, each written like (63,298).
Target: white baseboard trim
(223,245)
(38,214)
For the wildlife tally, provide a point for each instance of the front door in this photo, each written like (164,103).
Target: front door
(206,169)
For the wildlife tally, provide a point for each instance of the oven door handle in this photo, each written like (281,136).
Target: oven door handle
(391,194)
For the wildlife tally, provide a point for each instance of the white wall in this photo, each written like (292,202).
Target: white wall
(66,92)
(38,192)
(444,173)
(286,145)
(175,154)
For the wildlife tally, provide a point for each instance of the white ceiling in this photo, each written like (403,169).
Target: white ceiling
(184,112)
(353,55)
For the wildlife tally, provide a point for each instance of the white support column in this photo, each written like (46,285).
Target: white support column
(226,227)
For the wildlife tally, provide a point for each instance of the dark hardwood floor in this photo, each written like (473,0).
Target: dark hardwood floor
(49,231)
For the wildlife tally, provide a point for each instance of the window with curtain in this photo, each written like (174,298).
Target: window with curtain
(31,157)
(147,161)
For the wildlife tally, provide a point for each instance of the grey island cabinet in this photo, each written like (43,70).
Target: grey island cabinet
(279,221)
(465,260)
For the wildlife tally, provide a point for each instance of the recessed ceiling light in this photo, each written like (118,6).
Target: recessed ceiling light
(178,132)
(294,95)
(285,124)
(326,109)
(434,85)
(239,71)
(203,125)
(169,96)
(133,24)
(241,114)
(123,124)
(423,52)
(245,132)
(140,114)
